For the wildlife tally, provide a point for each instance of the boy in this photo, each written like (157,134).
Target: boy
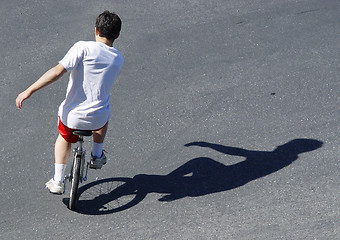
(94,66)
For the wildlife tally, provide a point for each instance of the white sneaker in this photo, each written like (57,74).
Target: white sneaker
(55,187)
(97,163)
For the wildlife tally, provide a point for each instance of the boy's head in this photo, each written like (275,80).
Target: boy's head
(108,25)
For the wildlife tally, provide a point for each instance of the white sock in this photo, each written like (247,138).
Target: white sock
(59,172)
(97,149)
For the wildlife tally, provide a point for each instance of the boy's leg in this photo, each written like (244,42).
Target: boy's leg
(99,135)
(98,141)
(62,152)
(98,158)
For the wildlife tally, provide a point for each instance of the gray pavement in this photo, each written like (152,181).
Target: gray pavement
(208,92)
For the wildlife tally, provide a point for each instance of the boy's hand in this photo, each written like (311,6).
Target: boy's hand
(21,97)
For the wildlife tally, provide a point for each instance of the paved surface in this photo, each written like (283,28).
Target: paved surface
(209,91)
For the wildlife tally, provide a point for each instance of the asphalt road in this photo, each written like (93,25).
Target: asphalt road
(225,121)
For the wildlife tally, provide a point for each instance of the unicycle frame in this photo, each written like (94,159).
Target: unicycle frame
(77,171)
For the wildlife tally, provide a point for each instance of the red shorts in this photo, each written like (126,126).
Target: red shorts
(66,133)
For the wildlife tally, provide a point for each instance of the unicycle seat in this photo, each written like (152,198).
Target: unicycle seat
(85,133)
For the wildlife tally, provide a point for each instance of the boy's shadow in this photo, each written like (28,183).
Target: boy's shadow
(199,176)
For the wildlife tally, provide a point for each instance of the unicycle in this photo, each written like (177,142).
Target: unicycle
(77,169)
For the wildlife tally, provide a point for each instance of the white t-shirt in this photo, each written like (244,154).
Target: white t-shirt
(94,67)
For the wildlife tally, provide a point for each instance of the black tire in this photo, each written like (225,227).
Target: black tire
(75,183)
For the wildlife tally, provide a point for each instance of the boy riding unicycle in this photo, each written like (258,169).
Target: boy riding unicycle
(93,67)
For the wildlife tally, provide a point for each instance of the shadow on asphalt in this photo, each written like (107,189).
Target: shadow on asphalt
(197,177)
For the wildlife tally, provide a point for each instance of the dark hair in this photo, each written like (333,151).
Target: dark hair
(108,25)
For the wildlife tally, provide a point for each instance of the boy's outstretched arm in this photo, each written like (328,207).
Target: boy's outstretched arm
(47,78)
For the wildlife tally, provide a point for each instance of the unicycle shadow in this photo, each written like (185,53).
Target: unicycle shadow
(197,177)
(108,196)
